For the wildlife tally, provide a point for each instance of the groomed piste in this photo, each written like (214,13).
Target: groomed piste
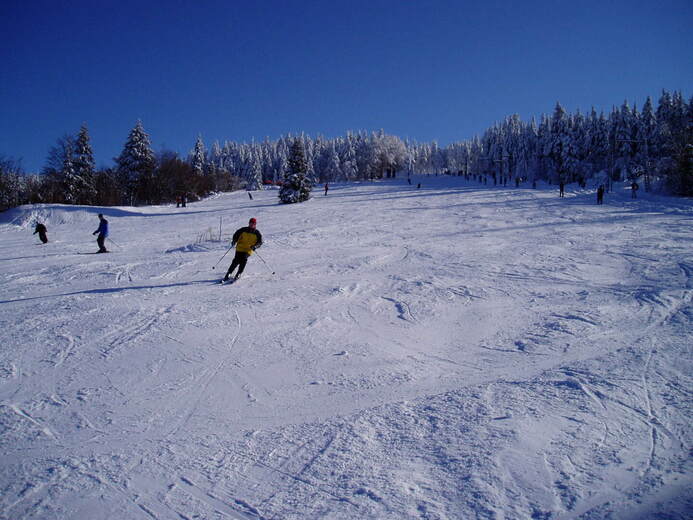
(450,352)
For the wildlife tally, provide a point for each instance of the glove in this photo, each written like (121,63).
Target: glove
(95,232)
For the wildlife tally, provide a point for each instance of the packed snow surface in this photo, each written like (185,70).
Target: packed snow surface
(451,352)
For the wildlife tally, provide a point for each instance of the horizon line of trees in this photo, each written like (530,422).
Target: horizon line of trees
(654,144)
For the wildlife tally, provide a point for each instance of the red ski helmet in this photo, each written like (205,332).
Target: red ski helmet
(252,221)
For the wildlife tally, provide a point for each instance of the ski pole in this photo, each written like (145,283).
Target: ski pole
(116,243)
(263,260)
(227,252)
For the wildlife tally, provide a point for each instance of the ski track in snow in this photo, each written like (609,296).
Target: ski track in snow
(449,352)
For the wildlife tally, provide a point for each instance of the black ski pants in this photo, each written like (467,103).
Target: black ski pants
(239,261)
(101,239)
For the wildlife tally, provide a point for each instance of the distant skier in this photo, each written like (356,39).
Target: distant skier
(41,230)
(246,239)
(250,196)
(561,189)
(600,194)
(327,187)
(634,190)
(103,233)
(184,199)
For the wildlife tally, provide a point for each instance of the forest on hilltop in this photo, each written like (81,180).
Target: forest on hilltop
(651,144)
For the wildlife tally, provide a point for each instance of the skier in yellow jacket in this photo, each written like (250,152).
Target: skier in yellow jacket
(246,239)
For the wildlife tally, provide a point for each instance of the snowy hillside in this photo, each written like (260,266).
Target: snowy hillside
(451,352)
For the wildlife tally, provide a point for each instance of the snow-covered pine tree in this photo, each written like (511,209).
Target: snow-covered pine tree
(84,168)
(308,151)
(198,157)
(648,130)
(391,155)
(437,159)
(601,143)
(281,163)
(348,158)
(576,148)
(254,171)
(680,174)
(332,168)
(560,143)
(664,127)
(296,185)
(544,147)
(215,166)
(136,165)
(623,145)
(68,178)
(512,146)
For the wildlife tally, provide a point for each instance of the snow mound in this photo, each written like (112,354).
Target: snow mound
(56,214)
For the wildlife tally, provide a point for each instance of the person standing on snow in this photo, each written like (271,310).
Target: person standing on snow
(634,190)
(327,187)
(103,233)
(246,239)
(600,194)
(41,230)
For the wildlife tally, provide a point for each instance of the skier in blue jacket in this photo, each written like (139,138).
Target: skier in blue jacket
(103,233)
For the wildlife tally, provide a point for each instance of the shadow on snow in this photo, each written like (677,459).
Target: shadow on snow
(109,290)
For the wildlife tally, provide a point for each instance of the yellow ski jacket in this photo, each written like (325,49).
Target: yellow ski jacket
(247,240)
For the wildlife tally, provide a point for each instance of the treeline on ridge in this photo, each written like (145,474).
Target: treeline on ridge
(652,144)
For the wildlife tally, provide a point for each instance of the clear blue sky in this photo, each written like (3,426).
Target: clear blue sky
(238,70)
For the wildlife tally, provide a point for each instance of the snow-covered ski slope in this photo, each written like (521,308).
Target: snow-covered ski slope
(452,352)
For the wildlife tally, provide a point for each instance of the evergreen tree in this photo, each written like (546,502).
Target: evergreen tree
(136,165)
(680,173)
(544,146)
(197,160)
(68,178)
(601,147)
(664,130)
(11,185)
(560,143)
(348,159)
(578,151)
(331,166)
(296,185)
(84,169)
(623,144)
(254,172)
(648,130)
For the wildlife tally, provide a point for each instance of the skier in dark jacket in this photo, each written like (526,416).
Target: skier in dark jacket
(41,230)
(246,239)
(103,233)
(600,194)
